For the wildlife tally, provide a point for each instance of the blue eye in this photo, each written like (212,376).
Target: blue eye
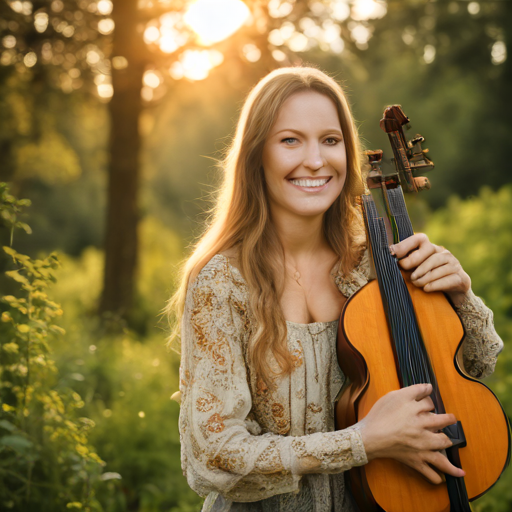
(288,139)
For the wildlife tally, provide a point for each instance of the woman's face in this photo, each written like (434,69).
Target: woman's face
(304,157)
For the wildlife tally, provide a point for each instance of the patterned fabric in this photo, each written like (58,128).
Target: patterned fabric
(250,449)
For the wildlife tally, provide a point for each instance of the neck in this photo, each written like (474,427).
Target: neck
(301,236)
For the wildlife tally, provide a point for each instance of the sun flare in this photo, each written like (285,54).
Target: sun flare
(215,20)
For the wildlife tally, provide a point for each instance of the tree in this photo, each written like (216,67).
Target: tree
(130,49)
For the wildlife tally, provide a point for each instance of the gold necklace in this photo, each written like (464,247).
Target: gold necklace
(297,276)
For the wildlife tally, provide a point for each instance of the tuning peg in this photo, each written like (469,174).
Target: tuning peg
(422,183)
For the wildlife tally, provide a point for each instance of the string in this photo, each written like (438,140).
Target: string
(412,359)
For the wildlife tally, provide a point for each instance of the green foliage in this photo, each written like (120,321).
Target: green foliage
(478,231)
(127,379)
(50,158)
(46,459)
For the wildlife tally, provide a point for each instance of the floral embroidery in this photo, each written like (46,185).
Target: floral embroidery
(315,408)
(215,423)
(277,410)
(297,356)
(205,403)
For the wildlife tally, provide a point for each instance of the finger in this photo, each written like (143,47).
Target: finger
(417,391)
(434,441)
(440,462)
(435,274)
(453,282)
(437,259)
(438,421)
(418,256)
(430,474)
(425,404)
(404,247)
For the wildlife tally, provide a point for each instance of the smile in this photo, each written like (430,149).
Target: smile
(307,183)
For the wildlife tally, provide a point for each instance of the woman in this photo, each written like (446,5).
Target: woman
(260,300)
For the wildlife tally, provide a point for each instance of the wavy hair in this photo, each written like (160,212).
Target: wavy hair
(241,217)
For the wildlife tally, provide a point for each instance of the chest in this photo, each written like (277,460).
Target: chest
(312,298)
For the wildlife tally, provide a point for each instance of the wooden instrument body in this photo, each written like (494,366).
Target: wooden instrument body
(366,357)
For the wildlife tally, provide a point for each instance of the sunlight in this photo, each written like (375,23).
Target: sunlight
(215,20)
(196,64)
(368,9)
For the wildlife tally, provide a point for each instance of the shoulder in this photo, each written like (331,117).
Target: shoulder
(216,302)
(350,283)
(217,282)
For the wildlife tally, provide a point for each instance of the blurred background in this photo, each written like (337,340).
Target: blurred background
(113,114)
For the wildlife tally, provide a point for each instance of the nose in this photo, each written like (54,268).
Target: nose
(313,157)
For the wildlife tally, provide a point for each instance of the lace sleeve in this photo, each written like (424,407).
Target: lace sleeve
(220,447)
(482,343)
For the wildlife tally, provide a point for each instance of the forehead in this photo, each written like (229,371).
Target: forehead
(307,109)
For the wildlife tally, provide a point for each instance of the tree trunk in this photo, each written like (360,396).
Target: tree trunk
(122,206)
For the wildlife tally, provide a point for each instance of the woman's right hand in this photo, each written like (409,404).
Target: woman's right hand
(402,426)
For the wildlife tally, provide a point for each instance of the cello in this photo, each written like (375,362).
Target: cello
(392,334)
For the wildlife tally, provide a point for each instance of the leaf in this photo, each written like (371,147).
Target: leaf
(110,475)
(10,348)
(57,329)
(14,274)
(17,443)
(23,328)
(9,251)
(7,425)
(25,227)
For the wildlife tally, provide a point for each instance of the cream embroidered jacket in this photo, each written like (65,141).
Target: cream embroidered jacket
(249,444)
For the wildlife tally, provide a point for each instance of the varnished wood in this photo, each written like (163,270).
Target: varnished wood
(364,335)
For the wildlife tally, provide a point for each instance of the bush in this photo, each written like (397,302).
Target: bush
(46,460)
(478,231)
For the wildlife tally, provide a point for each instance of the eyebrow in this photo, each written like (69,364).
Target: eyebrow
(328,130)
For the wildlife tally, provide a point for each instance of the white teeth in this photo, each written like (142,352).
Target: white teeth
(309,183)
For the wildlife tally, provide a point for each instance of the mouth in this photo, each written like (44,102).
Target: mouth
(310,184)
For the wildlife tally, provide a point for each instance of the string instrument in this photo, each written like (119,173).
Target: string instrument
(392,334)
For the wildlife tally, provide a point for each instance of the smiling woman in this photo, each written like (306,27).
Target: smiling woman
(259,303)
(304,157)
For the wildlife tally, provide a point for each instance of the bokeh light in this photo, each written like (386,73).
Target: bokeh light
(368,9)
(30,59)
(41,22)
(429,53)
(196,64)
(251,52)
(104,7)
(499,53)
(152,79)
(119,62)
(280,8)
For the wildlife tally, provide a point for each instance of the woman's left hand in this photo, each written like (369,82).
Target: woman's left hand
(433,267)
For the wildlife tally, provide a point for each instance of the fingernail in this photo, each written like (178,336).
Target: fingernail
(414,276)
(392,249)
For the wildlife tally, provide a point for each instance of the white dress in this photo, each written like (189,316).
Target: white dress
(248,449)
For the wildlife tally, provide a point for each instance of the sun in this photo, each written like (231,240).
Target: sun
(215,20)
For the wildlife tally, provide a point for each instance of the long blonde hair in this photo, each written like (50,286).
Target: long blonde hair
(241,216)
